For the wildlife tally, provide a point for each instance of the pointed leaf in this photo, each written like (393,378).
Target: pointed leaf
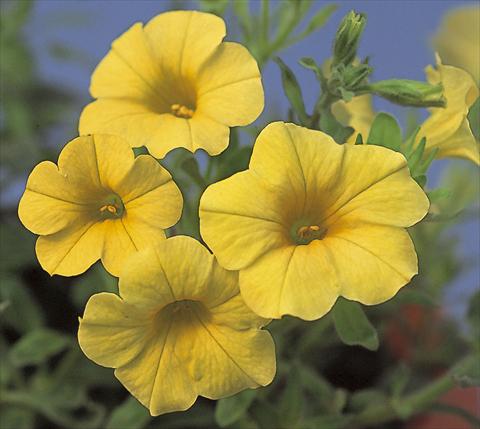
(386,132)
(229,410)
(292,90)
(352,325)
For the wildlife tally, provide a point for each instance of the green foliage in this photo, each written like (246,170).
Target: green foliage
(130,414)
(230,410)
(37,346)
(385,132)
(352,325)
(293,92)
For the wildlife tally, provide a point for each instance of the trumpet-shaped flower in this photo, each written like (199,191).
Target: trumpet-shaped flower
(178,330)
(448,128)
(458,39)
(311,220)
(174,83)
(99,203)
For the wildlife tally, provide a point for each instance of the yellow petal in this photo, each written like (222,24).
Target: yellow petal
(70,251)
(208,134)
(129,70)
(364,191)
(296,280)
(112,332)
(183,40)
(166,350)
(462,144)
(241,357)
(119,245)
(372,262)
(458,39)
(460,90)
(48,204)
(150,195)
(449,126)
(230,74)
(134,121)
(238,229)
(156,377)
(358,113)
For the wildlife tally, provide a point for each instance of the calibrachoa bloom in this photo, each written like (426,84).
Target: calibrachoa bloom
(311,220)
(178,330)
(448,128)
(174,83)
(99,203)
(458,39)
(357,113)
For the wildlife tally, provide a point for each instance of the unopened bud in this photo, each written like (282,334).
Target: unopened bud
(347,38)
(409,92)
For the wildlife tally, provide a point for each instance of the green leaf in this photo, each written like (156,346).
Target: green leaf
(96,280)
(17,418)
(416,156)
(292,91)
(291,402)
(22,312)
(352,325)
(328,422)
(310,64)
(229,410)
(190,167)
(314,383)
(385,132)
(37,346)
(399,380)
(330,125)
(362,399)
(129,414)
(415,295)
(439,194)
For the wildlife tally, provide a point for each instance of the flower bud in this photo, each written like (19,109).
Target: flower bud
(347,38)
(409,92)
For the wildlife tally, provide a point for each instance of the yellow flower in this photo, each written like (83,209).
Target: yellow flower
(311,220)
(99,203)
(179,330)
(174,83)
(358,113)
(448,128)
(458,39)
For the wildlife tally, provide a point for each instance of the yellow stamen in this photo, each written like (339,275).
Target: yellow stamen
(181,111)
(109,208)
(305,231)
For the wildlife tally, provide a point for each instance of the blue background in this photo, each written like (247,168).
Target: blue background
(397,39)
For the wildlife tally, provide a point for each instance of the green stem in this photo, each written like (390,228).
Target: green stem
(414,403)
(265,22)
(322,105)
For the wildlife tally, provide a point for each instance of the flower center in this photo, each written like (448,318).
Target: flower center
(112,207)
(181,111)
(304,234)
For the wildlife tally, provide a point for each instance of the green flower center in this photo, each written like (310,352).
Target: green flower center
(302,233)
(112,207)
(182,111)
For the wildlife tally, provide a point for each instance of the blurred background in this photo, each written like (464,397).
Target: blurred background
(48,51)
